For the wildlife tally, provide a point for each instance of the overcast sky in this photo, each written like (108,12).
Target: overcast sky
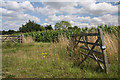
(88,13)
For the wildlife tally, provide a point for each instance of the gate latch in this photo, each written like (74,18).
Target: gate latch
(103,47)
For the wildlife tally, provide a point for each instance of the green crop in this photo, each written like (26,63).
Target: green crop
(52,35)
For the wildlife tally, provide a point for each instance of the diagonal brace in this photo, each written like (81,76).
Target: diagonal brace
(92,53)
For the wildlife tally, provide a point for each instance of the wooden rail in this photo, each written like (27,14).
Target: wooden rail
(15,39)
(83,38)
(85,34)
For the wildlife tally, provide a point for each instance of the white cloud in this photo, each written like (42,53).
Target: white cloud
(15,6)
(71,0)
(73,19)
(44,24)
(72,10)
(27,5)
(14,13)
(85,21)
(15,23)
(46,11)
(98,9)
(10,25)
(0,24)
(88,7)
(61,7)
(14,18)
(53,18)
(79,24)
(69,18)
(58,5)
(105,19)
(51,8)
(110,19)
(96,21)
(80,19)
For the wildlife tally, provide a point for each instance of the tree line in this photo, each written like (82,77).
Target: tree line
(31,26)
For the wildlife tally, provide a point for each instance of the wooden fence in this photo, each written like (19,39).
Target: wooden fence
(83,38)
(15,39)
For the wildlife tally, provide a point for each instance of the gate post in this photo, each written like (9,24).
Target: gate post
(22,38)
(105,60)
(19,38)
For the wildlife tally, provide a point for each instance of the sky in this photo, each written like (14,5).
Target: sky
(87,13)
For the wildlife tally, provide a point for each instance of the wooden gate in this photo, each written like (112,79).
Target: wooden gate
(15,39)
(83,38)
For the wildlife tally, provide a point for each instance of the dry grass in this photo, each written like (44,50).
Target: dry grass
(63,41)
(28,40)
(28,60)
(110,41)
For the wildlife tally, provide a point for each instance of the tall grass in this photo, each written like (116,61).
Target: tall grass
(111,42)
(28,39)
(28,60)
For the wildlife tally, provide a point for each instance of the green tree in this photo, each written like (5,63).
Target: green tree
(48,27)
(31,26)
(62,25)
(86,28)
(11,31)
(8,32)
(101,26)
(70,27)
(75,27)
